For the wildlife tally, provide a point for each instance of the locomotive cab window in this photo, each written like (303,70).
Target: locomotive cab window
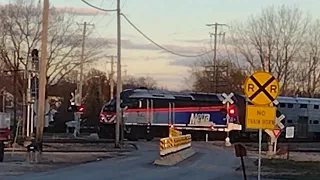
(290,105)
(160,103)
(315,122)
(316,107)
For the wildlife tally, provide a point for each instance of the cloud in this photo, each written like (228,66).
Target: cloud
(81,11)
(184,50)
(194,40)
(184,62)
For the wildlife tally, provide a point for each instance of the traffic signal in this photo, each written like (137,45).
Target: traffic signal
(35,59)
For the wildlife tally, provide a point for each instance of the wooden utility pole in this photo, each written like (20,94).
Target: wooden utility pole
(85,24)
(43,73)
(111,77)
(214,61)
(119,81)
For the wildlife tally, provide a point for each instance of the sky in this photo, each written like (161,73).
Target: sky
(178,25)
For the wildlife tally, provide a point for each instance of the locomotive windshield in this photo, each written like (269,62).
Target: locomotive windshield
(110,106)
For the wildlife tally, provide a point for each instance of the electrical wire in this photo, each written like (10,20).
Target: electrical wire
(95,7)
(113,17)
(145,36)
(158,45)
(102,2)
(112,3)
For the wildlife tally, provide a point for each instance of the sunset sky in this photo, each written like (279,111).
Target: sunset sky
(178,25)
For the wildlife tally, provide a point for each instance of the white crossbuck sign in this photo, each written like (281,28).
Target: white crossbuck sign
(278,121)
(72,99)
(227,98)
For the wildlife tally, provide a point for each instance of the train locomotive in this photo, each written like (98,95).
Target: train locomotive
(148,113)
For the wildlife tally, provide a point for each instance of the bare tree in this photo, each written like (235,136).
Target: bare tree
(277,35)
(307,79)
(136,82)
(230,78)
(21,32)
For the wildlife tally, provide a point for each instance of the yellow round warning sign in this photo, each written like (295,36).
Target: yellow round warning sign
(262,88)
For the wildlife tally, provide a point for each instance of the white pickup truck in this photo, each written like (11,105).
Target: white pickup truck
(4,131)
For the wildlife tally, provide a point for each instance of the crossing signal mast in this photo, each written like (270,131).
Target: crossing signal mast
(75,106)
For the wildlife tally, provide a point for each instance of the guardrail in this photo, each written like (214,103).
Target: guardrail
(174,143)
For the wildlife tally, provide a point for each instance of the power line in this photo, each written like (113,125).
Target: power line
(113,17)
(102,2)
(96,7)
(112,3)
(137,29)
(161,47)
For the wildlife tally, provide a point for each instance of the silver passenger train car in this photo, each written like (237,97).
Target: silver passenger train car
(303,114)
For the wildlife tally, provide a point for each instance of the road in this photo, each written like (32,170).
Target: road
(209,163)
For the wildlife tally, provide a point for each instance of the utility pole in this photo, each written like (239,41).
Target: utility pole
(119,81)
(214,63)
(15,71)
(43,73)
(111,76)
(85,24)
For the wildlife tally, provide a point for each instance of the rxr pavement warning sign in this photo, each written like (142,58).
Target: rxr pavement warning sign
(262,88)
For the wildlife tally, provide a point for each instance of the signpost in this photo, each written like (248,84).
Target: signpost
(262,89)
(227,100)
(241,152)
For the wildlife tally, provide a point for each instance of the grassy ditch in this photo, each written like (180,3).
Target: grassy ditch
(289,169)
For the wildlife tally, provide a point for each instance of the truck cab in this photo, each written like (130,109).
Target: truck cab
(4,131)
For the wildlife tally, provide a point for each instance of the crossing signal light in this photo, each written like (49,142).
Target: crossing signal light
(232,111)
(81,108)
(75,108)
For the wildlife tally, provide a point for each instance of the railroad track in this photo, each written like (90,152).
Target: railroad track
(80,141)
(74,150)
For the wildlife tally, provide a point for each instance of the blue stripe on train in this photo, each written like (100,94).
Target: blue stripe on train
(184,117)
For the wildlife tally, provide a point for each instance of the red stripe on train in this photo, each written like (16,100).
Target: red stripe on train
(182,109)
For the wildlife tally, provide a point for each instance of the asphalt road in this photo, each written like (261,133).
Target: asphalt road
(209,163)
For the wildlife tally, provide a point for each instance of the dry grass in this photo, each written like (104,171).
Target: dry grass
(15,164)
(299,166)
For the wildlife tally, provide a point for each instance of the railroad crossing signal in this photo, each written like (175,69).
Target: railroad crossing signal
(278,121)
(227,98)
(72,100)
(262,88)
(260,117)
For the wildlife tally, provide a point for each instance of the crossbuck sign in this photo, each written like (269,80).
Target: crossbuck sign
(278,121)
(72,99)
(227,98)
